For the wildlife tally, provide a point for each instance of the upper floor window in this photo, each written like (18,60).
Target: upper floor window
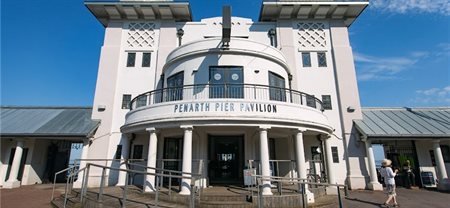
(311,101)
(141,101)
(175,87)
(326,101)
(306,59)
(334,154)
(226,82)
(146,59)
(276,90)
(126,99)
(131,59)
(322,59)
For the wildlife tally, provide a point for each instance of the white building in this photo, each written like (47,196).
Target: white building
(279,95)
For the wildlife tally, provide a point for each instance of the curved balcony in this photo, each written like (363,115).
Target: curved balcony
(226,91)
(225,104)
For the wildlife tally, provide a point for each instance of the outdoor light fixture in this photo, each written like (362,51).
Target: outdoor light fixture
(350,109)
(180,33)
(272,34)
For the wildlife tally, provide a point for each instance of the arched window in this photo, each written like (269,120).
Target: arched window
(277,87)
(175,87)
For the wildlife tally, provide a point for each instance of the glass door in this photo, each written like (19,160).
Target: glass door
(226,82)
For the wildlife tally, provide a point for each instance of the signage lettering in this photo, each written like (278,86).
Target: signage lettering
(224,107)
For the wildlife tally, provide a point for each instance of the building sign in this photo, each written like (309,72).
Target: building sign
(224,107)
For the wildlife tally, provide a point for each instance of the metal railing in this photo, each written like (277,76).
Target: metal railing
(74,171)
(315,0)
(252,92)
(300,182)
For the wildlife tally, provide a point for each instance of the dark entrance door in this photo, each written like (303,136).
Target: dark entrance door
(226,156)
(173,151)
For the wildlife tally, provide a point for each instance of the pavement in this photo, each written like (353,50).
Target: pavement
(37,196)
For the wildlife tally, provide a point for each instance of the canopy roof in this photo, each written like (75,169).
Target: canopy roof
(429,123)
(47,122)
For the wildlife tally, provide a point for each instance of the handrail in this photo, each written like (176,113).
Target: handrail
(165,170)
(302,182)
(54,179)
(225,91)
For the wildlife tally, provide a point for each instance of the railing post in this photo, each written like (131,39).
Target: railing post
(260,196)
(85,186)
(125,188)
(304,199)
(66,190)
(170,185)
(339,196)
(192,199)
(102,181)
(157,191)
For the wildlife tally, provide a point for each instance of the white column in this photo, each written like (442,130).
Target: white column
(84,155)
(373,184)
(14,173)
(124,157)
(151,160)
(301,163)
(187,160)
(329,158)
(444,183)
(265,164)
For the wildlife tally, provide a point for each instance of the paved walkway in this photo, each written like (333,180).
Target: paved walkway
(37,196)
(405,197)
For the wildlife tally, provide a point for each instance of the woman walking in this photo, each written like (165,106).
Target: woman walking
(389,175)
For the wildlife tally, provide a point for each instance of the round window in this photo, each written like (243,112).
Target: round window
(217,76)
(235,77)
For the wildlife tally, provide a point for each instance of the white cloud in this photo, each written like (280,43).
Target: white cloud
(433,95)
(413,6)
(382,68)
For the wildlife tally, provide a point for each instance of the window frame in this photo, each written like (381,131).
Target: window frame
(319,62)
(145,64)
(126,102)
(335,154)
(131,56)
(327,105)
(277,93)
(310,98)
(175,92)
(303,59)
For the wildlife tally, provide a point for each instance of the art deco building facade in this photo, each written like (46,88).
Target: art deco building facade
(278,95)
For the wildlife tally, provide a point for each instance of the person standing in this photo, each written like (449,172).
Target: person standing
(408,175)
(389,179)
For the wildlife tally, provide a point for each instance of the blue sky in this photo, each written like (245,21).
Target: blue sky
(50,51)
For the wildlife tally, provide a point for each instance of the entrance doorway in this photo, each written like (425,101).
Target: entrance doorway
(173,151)
(226,156)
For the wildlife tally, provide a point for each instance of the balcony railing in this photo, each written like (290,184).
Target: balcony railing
(248,92)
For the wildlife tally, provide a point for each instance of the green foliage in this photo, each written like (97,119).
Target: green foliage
(402,159)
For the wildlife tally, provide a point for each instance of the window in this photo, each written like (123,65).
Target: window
(131,59)
(226,82)
(445,149)
(137,151)
(175,87)
(118,151)
(126,99)
(146,59)
(326,102)
(322,59)
(306,59)
(141,101)
(276,90)
(311,101)
(433,160)
(334,153)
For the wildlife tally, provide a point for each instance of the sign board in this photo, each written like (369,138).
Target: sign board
(248,179)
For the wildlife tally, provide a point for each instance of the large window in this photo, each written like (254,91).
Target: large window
(141,101)
(311,101)
(277,84)
(226,82)
(175,87)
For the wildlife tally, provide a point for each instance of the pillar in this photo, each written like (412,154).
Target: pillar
(331,190)
(301,163)
(373,184)
(151,160)
(444,183)
(12,181)
(187,160)
(124,157)
(84,156)
(265,164)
